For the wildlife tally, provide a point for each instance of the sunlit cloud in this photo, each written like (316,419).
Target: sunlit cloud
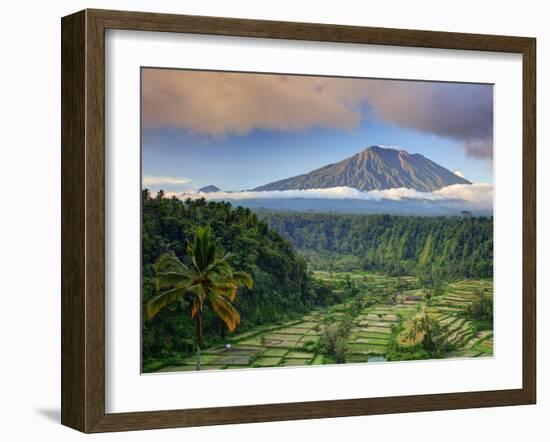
(220,103)
(152,181)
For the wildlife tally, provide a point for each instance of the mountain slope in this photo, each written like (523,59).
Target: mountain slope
(209,189)
(375,168)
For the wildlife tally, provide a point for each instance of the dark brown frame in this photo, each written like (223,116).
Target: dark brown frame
(83,216)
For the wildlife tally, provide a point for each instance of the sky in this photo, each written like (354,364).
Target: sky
(242,130)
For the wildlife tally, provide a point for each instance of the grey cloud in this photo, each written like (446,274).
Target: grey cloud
(480,148)
(217,103)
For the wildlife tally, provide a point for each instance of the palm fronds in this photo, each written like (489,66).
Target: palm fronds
(210,278)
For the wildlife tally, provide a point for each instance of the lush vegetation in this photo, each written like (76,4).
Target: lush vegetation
(432,248)
(381,318)
(481,308)
(288,288)
(282,290)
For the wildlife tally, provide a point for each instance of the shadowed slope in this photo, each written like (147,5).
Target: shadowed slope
(375,168)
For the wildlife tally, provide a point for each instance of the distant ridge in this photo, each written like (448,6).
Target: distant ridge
(209,189)
(375,168)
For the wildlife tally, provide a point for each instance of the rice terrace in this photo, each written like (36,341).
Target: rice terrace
(376,330)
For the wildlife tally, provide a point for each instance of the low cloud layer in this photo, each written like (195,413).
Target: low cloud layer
(477,196)
(156,181)
(219,103)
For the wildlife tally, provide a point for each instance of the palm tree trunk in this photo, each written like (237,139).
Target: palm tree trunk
(198,337)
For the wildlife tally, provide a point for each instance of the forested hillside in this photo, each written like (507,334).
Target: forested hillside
(429,247)
(282,288)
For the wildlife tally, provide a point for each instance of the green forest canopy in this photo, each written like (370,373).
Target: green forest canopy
(399,245)
(282,288)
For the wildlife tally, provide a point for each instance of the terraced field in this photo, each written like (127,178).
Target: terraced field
(294,343)
(447,309)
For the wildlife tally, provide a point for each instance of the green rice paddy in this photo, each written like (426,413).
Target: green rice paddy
(293,343)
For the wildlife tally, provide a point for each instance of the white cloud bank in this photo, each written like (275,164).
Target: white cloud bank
(477,196)
(149,180)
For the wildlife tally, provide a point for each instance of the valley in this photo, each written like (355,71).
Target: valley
(309,220)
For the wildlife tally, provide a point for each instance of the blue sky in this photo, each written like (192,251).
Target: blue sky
(193,135)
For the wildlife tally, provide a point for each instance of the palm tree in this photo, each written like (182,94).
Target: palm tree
(210,279)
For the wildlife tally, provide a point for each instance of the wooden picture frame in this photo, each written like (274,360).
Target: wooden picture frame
(83,220)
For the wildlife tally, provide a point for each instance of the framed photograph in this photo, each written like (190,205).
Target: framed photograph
(269,220)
